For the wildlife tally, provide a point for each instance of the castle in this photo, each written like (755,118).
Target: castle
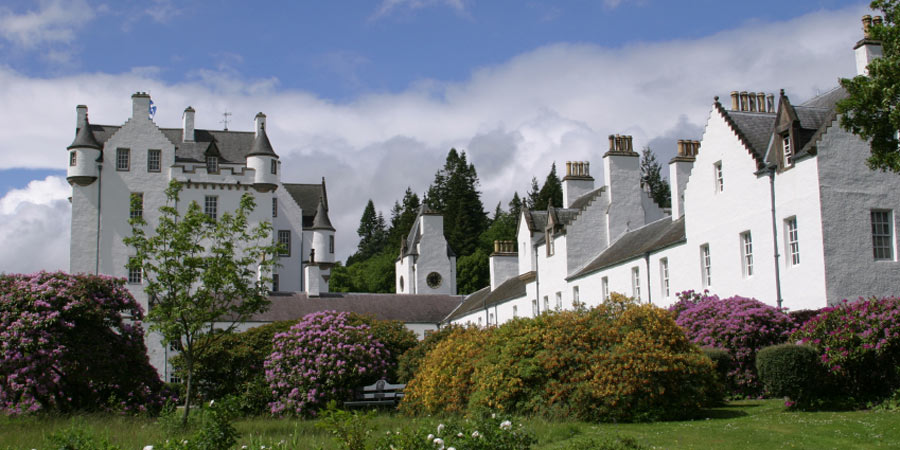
(774,202)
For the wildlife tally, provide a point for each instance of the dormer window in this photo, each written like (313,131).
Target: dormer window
(212,164)
(788,149)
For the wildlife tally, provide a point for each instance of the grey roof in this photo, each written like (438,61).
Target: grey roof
(261,145)
(403,307)
(321,221)
(826,103)
(308,197)
(754,129)
(233,146)
(651,237)
(536,220)
(483,298)
(582,202)
(826,100)
(84,137)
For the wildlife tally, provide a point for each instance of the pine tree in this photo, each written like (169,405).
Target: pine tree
(515,206)
(403,217)
(372,234)
(650,177)
(532,197)
(454,193)
(551,192)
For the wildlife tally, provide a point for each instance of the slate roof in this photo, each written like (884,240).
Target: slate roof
(84,137)
(307,197)
(826,107)
(581,202)
(403,307)
(261,145)
(536,220)
(322,222)
(483,298)
(651,237)
(754,129)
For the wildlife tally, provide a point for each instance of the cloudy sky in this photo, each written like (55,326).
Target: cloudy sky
(372,94)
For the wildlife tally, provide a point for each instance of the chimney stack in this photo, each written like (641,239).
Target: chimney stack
(577,182)
(140,105)
(260,123)
(188,124)
(868,48)
(735,101)
(81,116)
(504,262)
(313,279)
(679,171)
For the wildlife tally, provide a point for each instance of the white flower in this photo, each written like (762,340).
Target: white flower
(184,442)
(493,415)
(476,434)
(440,428)
(430,437)
(505,425)
(459,434)
(211,402)
(440,443)
(451,448)
(148,447)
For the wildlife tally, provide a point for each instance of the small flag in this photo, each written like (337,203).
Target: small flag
(152,109)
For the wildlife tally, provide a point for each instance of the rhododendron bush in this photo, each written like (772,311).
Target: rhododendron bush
(72,342)
(323,357)
(859,343)
(742,326)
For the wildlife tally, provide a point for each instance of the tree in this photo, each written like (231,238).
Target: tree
(650,177)
(403,216)
(515,206)
(872,109)
(551,191)
(531,198)
(455,194)
(199,272)
(372,234)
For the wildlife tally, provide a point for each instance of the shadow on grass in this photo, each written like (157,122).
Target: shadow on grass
(726,412)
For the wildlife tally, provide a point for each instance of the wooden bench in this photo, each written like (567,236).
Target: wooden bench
(381,393)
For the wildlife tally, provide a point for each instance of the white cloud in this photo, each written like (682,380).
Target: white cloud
(388,7)
(34,227)
(55,21)
(554,103)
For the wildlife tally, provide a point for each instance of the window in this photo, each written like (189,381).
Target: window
(605,288)
(284,240)
(788,150)
(211,206)
(576,300)
(882,235)
(636,283)
(175,379)
(792,241)
(275,282)
(705,266)
(747,254)
(136,209)
(212,164)
(479,321)
(664,276)
(490,318)
(274,166)
(551,249)
(274,207)
(153,160)
(123,159)
(515,311)
(73,158)
(330,244)
(720,182)
(559,300)
(135,275)
(534,307)
(546,303)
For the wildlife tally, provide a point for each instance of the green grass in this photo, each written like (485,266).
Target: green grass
(760,424)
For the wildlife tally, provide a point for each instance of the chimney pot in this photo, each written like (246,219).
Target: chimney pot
(735,102)
(587,168)
(188,124)
(877,21)
(761,101)
(612,145)
(743,100)
(260,123)
(751,102)
(770,103)
(568,168)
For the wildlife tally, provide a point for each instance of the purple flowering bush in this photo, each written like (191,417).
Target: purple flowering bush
(859,344)
(742,326)
(72,342)
(321,358)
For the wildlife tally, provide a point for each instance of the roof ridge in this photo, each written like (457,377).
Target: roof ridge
(740,134)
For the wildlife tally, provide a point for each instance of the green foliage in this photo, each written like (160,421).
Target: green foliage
(551,192)
(77,437)
(375,274)
(198,271)
(487,432)
(650,177)
(473,272)
(872,109)
(403,216)
(616,443)
(619,361)
(373,235)
(410,361)
(724,364)
(454,193)
(792,371)
(232,365)
(349,430)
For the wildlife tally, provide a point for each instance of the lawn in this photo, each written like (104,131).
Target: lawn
(745,424)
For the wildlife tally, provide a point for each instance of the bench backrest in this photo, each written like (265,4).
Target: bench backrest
(382,389)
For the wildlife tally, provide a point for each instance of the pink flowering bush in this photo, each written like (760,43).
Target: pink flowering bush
(742,326)
(859,344)
(72,342)
(323,357)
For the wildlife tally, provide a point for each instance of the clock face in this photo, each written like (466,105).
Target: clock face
(433,280)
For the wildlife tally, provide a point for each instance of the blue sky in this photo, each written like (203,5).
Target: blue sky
(378,91)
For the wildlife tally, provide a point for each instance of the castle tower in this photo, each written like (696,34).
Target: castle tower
(263,160)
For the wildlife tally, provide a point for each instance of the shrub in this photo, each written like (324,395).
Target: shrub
(397,339)
(859,343)
(409,362)
(740,325)
(65,345)
(232,365)
(802,316)
(722,361)
(444,380)
(486,432)
(323,357)
(792,371)
(618,361)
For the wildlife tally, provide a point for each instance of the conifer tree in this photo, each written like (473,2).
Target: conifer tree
(650,177)
(454,193)
(532,197)
(515,206)
(551,191)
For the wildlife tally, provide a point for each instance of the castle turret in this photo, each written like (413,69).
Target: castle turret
(263,160)
(84,152)
(323,235)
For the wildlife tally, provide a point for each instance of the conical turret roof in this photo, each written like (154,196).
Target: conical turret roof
(85,137)
(261,145)
(321,221)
